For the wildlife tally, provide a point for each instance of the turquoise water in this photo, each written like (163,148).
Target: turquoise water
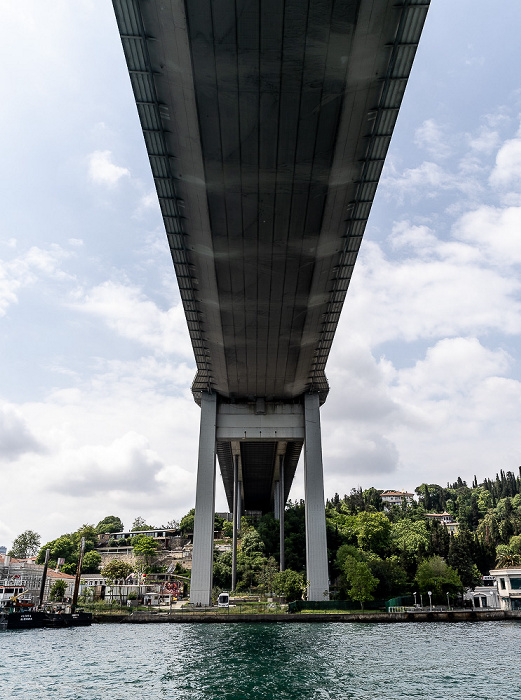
(274,661)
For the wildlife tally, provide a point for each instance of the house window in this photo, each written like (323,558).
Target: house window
(515,584)
(502,583)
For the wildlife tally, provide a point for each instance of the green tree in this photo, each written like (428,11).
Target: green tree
(359,577)
(109,524)
(391,576)
(63,547)
(58,589)
(436,575)
(461,560)
(289,583)
(141,524)
(91,562)
(25,545)
(410,536)
(187,522)
(116,570)
(373,532)
(145,547)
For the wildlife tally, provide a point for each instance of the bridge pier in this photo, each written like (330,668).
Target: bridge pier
(255,450)
(316,544)
(202,556)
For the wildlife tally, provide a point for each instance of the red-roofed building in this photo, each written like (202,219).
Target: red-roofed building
(396,498)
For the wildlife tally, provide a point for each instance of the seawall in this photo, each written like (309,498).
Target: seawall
(210,617)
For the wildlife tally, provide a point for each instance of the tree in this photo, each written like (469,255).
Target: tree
(141,524)
(58,589)
(359,577)
(116,570)
(373,532)
(410,536)
(187,522)
(25,545)
(91,562)
(391,575)
(289,583)
(109,524)
(145,547)
(436,575)
(461,560)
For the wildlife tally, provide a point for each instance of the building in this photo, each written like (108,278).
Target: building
(29,574)
(484,596)
(445,519)
(396,498)
(508,580)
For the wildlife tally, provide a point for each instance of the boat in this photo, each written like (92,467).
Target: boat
(32,619)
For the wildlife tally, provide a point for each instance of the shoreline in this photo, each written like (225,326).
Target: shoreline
(310,617)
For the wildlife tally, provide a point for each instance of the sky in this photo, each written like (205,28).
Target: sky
(96,413)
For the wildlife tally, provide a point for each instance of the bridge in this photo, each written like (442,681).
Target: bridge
(266,123)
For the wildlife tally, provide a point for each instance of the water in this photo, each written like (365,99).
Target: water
(265,662)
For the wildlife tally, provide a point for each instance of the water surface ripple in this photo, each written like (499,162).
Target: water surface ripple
(243,661)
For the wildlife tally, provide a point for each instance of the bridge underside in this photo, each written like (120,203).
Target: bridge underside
(266,123)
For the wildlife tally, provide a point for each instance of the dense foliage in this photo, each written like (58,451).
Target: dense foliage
(378,554)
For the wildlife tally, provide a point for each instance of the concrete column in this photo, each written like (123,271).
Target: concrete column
(202,559)
(282,505)
(276,500)
(239,506)
(235,515)
(316,544)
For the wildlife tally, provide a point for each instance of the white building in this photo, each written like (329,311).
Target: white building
(508,582)
(445,519)
(396,498)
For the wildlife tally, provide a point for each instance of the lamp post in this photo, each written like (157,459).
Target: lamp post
(414,594)
(430,599)
(448,601)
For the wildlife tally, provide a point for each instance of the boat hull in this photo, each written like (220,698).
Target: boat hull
(36,619)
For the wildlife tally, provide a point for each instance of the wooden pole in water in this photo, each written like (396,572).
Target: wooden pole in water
(78,575)
(44,578)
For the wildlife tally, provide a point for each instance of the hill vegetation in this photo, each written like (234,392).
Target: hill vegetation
(372,552)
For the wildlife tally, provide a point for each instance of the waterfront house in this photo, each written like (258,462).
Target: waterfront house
(508,581)
(27,573)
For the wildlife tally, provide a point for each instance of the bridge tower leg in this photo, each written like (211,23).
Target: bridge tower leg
(202,561)
(316,544)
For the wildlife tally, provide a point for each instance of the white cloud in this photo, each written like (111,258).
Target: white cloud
(26,270)
(429,179)
(495,232)
(16,438)
(507,170)
(126,464)
(486,141)
(433,139)
(103,171)
(128,312)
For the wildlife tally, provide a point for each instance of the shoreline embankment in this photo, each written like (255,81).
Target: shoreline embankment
(139,618)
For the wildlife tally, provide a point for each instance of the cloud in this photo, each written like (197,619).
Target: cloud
(127,311)
(126,464)
(430,137)
(428,178)
(486,141)
(507,170)
(495,232)
(27,269)
(16,438)
(103,171)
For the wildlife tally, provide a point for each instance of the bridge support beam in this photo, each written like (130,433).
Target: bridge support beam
(316,544)
(282,506)
(202,561)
